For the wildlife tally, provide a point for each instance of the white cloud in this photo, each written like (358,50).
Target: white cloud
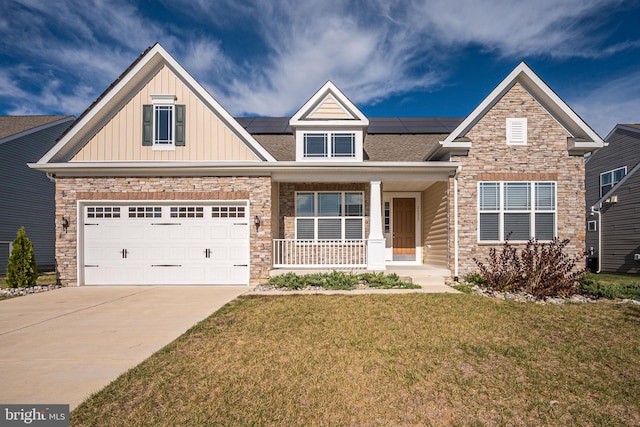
(614,102)
(68,54)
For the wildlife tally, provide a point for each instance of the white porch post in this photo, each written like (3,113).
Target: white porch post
(376,244)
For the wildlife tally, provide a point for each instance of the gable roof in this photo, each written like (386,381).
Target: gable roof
(583,138)
(12,127)
(123,88)
(329,94)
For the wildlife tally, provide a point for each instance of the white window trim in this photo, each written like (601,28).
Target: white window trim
(592,225)
(612,172)
(358,145)
(511,140)
(501,211)
(163,100)
(316,217)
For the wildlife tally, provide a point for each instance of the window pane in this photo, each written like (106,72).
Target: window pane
(329,204)
(315,145)
(544,226)
(353,204)
(517,196)
(489,196)
(304,229)
(343,145)
(164,124)
(489,226)
(618,174)
(353,229)
(605,178)
(605,189)
(330,229)
(517,226)
(545,196)
(304,204)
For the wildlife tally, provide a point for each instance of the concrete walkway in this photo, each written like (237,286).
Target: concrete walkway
(60,346)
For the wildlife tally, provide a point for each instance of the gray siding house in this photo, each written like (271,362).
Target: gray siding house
(28,196)
(613,202)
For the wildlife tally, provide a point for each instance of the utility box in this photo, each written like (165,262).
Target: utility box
(592,263)
(636,257)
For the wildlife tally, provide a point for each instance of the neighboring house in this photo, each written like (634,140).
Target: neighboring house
(28,196)
(161,185)
(613,202)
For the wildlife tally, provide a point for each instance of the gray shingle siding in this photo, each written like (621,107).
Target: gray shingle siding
(620,226)
(28,195)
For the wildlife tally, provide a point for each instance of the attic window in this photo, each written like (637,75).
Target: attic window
(163,123)
(516,131)
(329,144)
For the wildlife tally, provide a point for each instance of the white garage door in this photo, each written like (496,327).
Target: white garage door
(176,244)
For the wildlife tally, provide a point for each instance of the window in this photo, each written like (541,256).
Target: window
(592,226)
(163,123)
(228,211)
(103,212)
(387,217)
(341,145)
(516,210)
(186,212)
(516,131)
(611,178)
(329,216)
(145,212)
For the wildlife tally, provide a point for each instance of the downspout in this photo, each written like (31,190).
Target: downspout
(456,274)
(51,176)
(593,210)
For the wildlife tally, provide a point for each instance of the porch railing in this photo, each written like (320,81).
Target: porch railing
(319,253)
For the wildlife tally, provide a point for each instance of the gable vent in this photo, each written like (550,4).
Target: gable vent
(516,131)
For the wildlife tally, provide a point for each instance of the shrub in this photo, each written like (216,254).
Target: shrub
(541,269)
(22,271)
(590,285)
(503,271)
(475,279)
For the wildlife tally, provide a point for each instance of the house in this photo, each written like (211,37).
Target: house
(27,195)
(156,183)
(613,202)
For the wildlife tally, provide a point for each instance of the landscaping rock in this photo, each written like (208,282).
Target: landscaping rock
(15,292)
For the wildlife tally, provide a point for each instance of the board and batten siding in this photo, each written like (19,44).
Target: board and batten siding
(207,136)
(329,109)
(435,231)
(28,196)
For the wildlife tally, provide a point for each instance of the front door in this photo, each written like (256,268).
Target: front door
(404,229)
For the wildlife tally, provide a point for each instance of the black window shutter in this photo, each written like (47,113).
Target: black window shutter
(180,122)
(147,125)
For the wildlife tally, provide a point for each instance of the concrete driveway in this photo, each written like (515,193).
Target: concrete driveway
(60,346)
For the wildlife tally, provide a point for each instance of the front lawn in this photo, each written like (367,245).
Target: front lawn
(412,359)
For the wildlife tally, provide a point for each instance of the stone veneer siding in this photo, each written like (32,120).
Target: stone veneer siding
(545,157)
(71,190)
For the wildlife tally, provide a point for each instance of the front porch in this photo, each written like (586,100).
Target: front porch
(366,224)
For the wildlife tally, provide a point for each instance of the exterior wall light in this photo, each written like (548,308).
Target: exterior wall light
(65,223)
(256,221)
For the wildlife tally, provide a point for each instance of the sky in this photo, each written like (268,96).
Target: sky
(392,58)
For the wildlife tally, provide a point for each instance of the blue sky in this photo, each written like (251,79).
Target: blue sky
(267,57)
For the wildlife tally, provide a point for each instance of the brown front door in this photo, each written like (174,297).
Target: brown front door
(404,228)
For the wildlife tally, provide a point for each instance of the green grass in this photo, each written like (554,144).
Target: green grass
(412,359)
(615,279)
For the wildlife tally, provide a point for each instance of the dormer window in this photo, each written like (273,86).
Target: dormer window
(163,123)
(336,145)
(329,144)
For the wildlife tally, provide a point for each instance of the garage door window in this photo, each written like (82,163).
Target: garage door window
(187,212)
(145,212)
(228,211)
(103,212)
